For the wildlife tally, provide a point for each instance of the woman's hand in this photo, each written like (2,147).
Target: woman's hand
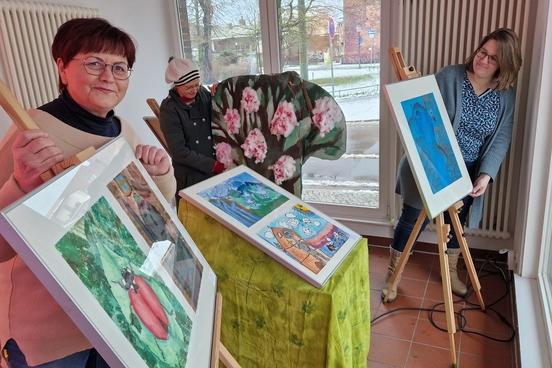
(155,160)
(480,185)
(33,153)
(213,88)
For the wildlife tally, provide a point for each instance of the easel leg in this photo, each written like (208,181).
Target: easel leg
(218,350)
(442,231)
(453,213)
(390,294)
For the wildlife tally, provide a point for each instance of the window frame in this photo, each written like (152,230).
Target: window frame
(544,277)
(364,220)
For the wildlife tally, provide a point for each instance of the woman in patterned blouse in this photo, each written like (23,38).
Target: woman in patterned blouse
(479,97)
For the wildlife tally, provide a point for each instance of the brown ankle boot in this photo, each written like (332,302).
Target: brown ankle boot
(458,287)
(387,294)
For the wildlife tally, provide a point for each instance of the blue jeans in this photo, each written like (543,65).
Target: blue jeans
(409,215)
(83,359)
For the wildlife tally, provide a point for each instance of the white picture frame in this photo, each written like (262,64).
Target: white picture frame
(429,142)
(272,219)
(81,212)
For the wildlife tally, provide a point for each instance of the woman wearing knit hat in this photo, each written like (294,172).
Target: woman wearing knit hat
(186,124)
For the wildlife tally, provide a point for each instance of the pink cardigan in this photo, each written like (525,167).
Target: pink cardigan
(28,313)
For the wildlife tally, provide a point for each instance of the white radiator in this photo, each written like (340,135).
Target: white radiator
(435,33)
(27,30)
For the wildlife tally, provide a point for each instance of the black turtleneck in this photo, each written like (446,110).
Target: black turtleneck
(67,110)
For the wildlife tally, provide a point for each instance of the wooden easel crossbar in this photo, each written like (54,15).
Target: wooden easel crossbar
(23,121)
(403,73)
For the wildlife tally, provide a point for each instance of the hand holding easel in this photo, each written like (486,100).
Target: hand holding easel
(36,158)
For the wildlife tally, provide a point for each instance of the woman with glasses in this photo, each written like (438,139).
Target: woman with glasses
(94,61)
(479,96)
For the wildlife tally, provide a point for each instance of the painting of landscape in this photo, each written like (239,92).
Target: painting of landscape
(244,198)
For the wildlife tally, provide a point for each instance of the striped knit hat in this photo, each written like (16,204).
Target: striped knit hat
(181,71)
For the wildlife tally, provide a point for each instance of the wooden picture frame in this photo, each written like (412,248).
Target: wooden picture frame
(429,142)
(292,232)
(106,244)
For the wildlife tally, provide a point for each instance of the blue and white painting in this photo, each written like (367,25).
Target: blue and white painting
(244,198)
(431,140)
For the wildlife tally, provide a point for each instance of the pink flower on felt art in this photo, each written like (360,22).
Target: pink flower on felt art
(325,114)
(283,169)
(250,100)
(255,146)
(232,120)
(224,154)
(284,120)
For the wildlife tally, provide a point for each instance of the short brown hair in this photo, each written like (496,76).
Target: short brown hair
(91,35)
(508,57)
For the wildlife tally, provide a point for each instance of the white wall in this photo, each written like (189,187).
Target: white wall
(150,24)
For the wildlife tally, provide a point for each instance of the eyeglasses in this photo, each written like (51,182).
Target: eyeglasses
(188,87)
(491,59)
(95,66)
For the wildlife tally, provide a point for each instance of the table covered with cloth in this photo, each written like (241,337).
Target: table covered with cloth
(273,318)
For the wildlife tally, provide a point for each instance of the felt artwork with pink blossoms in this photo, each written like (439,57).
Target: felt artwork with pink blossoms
(274,123)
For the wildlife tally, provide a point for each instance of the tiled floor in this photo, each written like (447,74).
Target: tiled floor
(407,338)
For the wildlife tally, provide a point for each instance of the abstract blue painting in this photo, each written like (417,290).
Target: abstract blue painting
(431,140)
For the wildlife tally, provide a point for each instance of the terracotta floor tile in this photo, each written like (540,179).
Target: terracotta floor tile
(407,339)
(399,326)
(427,334)
(374,364)
(479,345)
(402,301)
(416,271)
(411,287)
(376,281)
(425,259)
(434,291)
(388,350)
(483,361)
(487,322)
(423,356)
(438,317)
(375,301)
(379,259)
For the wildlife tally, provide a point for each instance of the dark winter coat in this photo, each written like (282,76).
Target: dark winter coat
(187,129)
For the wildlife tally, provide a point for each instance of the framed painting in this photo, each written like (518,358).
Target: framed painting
(298,236)
(429,142)
(106,245)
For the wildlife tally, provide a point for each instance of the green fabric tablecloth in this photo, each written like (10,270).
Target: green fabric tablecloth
(272,317)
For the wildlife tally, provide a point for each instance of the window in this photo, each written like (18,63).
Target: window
(223,37)
(335,44)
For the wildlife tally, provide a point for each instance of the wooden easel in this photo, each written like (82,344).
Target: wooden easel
(443,230)
(23,121)
(219,353)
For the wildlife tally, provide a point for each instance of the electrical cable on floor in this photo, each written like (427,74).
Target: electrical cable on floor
(461,320)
